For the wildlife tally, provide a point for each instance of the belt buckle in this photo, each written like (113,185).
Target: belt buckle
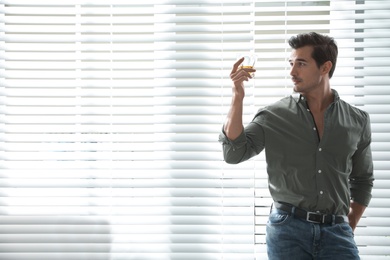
(315,217)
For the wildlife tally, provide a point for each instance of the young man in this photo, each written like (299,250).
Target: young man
(318,155)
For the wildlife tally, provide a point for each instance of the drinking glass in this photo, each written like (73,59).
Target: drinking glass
(249,61)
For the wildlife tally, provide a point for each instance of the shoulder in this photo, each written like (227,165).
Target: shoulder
(279,107)
(354,112)
(356,119)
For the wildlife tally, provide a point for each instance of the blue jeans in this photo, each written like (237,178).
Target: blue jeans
(291,238)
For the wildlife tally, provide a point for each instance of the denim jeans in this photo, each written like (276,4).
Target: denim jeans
(292,238)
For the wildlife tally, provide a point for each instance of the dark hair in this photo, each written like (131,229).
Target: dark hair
(324,48)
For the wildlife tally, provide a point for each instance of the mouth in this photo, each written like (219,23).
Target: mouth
(295,81)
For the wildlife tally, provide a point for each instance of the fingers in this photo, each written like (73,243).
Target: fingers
(236,65)
(238,74)
(241,74)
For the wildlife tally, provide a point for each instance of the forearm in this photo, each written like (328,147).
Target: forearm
(355,213)
(233,125)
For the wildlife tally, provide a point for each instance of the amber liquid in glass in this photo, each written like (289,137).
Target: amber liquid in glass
(247,67)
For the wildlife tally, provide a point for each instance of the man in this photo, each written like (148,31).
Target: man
(318,156)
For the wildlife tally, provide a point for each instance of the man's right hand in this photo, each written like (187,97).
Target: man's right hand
(238,76)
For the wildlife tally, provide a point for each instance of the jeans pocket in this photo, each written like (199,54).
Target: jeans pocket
(345,229)
(278,217)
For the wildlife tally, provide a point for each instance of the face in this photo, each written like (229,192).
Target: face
(304,72)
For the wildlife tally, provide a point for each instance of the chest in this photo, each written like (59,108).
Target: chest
(318,118)
(299,135)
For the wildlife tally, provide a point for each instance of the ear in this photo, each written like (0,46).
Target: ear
(325,68)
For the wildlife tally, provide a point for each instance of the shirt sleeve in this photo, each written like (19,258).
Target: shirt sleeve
(248,144)
(362,176)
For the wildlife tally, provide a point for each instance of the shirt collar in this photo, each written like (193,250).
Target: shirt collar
(299,98)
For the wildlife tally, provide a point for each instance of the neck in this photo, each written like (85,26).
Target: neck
(320,100)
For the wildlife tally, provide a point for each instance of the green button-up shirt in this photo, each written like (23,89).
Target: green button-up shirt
(313,174)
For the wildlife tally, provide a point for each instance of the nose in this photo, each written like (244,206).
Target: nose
(292,70)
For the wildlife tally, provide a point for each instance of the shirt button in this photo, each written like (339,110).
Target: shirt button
(321,192)
(308,110)
(320,149)
(314,128)
(319,171)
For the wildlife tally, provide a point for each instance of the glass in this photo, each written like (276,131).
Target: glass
(249,61)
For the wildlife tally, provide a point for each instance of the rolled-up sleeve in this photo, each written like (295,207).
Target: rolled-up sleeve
(362,176)
(248,144)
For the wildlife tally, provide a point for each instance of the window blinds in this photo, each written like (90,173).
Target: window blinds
(110,113)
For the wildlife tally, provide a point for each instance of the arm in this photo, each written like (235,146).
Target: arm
(355,213)
(233,126)
(362,178)
(239,144)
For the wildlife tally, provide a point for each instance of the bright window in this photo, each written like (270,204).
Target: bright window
(110,113)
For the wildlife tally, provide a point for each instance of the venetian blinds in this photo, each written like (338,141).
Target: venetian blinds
(110,113)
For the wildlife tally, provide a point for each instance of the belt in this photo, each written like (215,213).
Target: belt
(312,217)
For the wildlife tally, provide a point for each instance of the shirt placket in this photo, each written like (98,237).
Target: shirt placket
(320,166)
(319,171)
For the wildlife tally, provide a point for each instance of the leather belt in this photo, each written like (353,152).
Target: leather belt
(312,217)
